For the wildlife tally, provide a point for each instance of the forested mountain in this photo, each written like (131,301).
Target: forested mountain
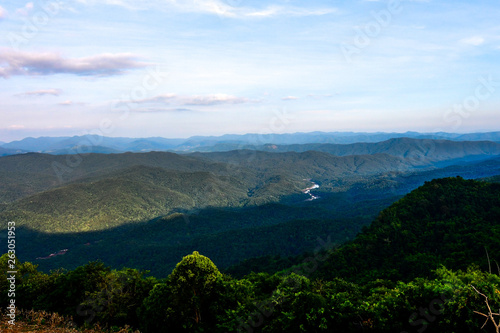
(135,194)
(418,151)
(419,266)
(26,174)
(494,179)
(67,193)
(90,203)
(6,151)
(310,164)
(446,222)
(62,145)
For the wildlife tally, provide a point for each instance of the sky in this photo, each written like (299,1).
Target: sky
(179,68)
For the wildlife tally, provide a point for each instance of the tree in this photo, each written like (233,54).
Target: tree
(187,302)
(118,298)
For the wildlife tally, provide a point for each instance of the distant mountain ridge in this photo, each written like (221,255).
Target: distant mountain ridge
(417,150)
(101,144)
(7,151)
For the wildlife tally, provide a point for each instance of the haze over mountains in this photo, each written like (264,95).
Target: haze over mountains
(100,144)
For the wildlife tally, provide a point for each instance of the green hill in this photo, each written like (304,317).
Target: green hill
(390,278)
(494,179)
(139,193)
(417,151)
(27,174)
(310,164)
(445,222)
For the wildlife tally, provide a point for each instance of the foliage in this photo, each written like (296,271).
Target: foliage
(185,303)
(445,222)
(413,269)
(44,322)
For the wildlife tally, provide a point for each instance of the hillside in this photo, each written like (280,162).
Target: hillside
(111,200)
(417,152)
(27,174)
(6,151)
(494,179)
(390,278)
(445,222)
(263,229)
(311,164)
(139,193)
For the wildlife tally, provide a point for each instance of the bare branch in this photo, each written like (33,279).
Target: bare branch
(490,314)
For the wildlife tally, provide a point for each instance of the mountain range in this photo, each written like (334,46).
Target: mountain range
(253,201)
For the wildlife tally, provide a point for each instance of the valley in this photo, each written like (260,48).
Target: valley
(233,205)
(325,229)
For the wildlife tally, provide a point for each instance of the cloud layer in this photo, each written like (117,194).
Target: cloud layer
(228,8)
(3,13)
(42,92)
(28,63)
(198,100)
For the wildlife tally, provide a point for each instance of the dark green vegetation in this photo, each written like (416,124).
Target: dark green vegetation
(411,270)
(447,222)
(146,210)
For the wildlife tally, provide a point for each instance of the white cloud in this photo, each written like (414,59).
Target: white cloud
(161,110)
(288,11)
(26,10)
(42,92)
(320,96)
(289,98)
(475,40)
(216,99)
(164,98)
(70,103)
(231,9)
(199,100)
(25,63)
(3,13)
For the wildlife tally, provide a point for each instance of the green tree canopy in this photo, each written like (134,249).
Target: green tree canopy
(186,300)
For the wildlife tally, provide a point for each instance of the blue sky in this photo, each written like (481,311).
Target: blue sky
(177,68)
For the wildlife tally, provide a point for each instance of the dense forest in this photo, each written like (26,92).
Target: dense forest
(232,206)
(427,263)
